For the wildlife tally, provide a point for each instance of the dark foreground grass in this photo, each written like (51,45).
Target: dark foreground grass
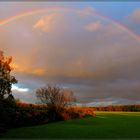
(105,125)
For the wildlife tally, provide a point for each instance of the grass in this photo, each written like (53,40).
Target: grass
(105,125)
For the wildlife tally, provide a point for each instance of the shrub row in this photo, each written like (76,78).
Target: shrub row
(15,115)
(21,114)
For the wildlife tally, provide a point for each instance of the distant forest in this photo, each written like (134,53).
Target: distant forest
(131,108)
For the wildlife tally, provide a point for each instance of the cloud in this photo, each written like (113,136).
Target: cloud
(33,71)
(111,101)
(19,89)
(94,26)
(86,11)
(48,23)
(96,64)
(135,16)
(133,20)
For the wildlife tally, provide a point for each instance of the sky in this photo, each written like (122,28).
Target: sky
(91,48)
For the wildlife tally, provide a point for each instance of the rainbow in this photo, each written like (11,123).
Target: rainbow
(24,14)
(37,11)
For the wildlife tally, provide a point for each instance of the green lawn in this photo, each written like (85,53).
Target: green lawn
(105,125)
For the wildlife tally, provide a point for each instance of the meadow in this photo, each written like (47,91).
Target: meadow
(104,125)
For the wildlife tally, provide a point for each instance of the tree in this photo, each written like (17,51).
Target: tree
(56,100)
(6,80)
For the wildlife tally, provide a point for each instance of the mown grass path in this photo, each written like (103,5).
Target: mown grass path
(105,125)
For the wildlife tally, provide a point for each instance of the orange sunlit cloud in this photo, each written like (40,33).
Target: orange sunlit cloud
(93,26)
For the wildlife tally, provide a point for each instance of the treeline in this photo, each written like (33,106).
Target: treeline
(17,114)
(13,114)
(128,108)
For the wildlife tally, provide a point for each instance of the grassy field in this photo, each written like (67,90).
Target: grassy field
(105,125)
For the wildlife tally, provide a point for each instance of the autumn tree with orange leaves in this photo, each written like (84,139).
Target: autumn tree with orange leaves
(6,79)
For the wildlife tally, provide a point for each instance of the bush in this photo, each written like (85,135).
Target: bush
(8,112)
(77,112)
(15,115)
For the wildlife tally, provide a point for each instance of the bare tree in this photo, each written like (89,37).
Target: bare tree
(55,98)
